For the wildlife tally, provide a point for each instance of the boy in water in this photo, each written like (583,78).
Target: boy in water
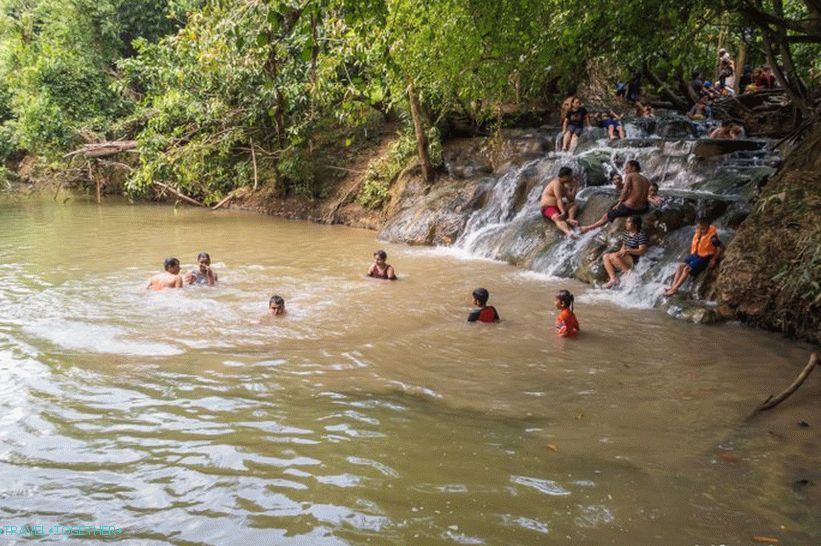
(203,274)
(379,268)
(276,306)
(705,250)
(484,312)
(170,278)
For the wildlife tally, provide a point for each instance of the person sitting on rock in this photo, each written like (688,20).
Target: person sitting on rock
(653,196)
(573,125)
(558,201)
(634,244)
(632,199)
(611,121)
(618,181)
(705,251)
(728,130)
(700,110)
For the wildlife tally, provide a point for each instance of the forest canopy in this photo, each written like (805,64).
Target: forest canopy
(214,92)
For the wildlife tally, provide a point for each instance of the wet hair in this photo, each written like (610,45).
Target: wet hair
(565,298)
(171,262)
(565,171)
(481,295)
(381,254)
(635,164)
(703,219)
(636,219)
(202,255)
(275,299)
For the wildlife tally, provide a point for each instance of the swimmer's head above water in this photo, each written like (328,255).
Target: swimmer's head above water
(172,265)
(276,305)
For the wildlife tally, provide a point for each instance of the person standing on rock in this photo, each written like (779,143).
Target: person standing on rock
(632,200)
(726,69)
(552,204)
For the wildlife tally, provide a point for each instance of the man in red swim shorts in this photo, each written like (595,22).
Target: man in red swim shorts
(553,205)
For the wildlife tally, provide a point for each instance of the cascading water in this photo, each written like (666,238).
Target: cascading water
(695,175)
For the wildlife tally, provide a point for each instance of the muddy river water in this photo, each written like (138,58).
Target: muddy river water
(371,412)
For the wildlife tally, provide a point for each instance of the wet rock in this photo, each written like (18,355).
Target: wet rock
(437,218)
(710,147)
(693,312)
(676,127)
(593,169)
(596,205)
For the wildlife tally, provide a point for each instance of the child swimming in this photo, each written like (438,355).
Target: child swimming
(203,274)
(566,323)
(379,269)
(484,312)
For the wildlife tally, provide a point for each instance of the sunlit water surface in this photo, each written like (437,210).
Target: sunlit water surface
(371,411)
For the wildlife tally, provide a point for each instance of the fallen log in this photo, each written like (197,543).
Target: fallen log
(178,194)
(773,401)
(104,149)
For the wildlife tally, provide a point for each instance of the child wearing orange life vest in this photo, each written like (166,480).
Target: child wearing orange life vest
(484,312)
(566,323)
(705,250)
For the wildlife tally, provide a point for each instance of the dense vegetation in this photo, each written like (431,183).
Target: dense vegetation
(226,93)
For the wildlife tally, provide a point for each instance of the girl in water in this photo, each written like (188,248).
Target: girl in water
(566,323)
(379,269)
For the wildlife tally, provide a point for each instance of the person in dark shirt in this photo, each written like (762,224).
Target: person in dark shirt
(484,312)
(634,245)
(573,125)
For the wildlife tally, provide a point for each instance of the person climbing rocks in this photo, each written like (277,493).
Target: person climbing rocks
(705,251)
(558,201)
(634,245)
(632,200)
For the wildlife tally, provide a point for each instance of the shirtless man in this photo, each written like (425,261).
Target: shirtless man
(170,278)
(552,203)
(632,200)
(728,129)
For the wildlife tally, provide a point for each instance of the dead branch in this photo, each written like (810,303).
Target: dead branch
(103,149)
(773,401)
(225,200)
(178,194)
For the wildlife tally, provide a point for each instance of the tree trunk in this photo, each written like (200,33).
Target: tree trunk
(677,101)
(421,138)
(739,66)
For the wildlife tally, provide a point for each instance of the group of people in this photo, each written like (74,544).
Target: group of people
(636,195)
(576,117)
(567,325)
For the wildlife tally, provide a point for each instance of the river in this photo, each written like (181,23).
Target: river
(371,412)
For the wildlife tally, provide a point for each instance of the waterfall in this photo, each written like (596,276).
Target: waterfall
(695,175)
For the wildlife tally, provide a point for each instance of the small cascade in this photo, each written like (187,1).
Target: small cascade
(503,221)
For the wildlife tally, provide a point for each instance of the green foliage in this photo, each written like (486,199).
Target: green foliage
(383,171)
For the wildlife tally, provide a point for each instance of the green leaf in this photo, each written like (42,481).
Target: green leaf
(262,39)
